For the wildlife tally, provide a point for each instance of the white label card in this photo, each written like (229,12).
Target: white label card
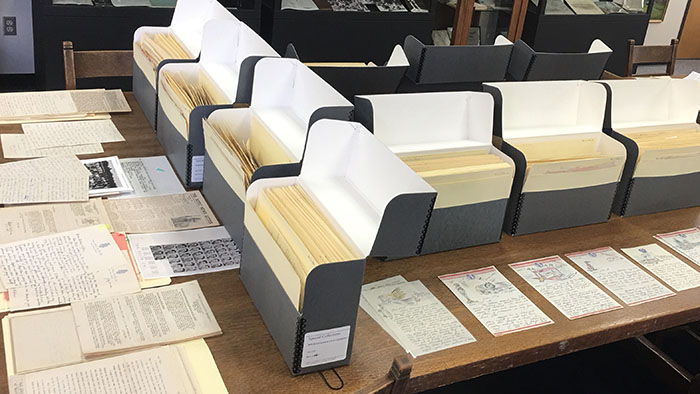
(572,293)
(197,169)
(621,276)
(677,274)
(325,346)
(685,242)
(498,305)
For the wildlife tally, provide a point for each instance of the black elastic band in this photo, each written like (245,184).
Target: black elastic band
(342,384)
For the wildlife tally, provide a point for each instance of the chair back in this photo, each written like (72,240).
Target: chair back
(651,54)
(95,64)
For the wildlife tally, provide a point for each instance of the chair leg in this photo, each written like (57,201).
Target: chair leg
(69,65)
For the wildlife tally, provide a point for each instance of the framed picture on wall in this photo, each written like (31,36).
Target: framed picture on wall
(658,10)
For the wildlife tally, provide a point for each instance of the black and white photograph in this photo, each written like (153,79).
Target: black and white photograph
(107,177)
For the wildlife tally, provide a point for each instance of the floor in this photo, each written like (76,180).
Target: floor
(617,368)
(683,67)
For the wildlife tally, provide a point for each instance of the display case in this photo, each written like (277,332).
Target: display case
(102,26)
(554,26)
(327,32)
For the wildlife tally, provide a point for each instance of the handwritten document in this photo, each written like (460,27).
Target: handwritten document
(19,146)
(685,242)
(367,307)
(27,221)
(421,322)
(58,179)
(154,371)
(498,305)
(667,267)
(59,104)
(188,252)
(61,268)
(150,176)
(157,214)
(621,276)
(155,316)
(51,134)
(567,289)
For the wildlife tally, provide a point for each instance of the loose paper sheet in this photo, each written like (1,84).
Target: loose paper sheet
(492,299)
(59,104)
(61,268)
(123,244)
(43,339)
(150,176)
(302,5)
(685,242)
(188,252)
(155,316)
(51,134)
(153,371)
(157,214)
(677,274)
(419,319)
(392,281)
(568,290)
(106,176)
(23,222)
(622,277)
(19,146)
(57,179)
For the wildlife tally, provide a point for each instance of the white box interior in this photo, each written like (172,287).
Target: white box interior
(351,176)
(551,108)
(285,95)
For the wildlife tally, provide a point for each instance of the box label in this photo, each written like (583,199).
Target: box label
(325,346)
(197,169)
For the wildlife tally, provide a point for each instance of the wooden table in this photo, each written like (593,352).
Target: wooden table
(249,361)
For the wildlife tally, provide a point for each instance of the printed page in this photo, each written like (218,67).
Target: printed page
(153,371)
(185,211)
(43,339)
(65,267)
(181,253)
(19,146)
(150,176)
(23,222)
(420,320)
(624,279)
(677,274)
(685,242)
(567,289)
(106,176)
(155,316)
(392,281)
(492,299)
(35,181)
(51,134)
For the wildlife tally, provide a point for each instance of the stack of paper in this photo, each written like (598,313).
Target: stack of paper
(186,368)
(181,253)
(412,315)
(77,333)
(189,92)
(65,267)
(26,107)
(453,163)
(278,139)
(302,230)
(59,179)
(665,142)
(555,149)
(234,147)
(160,46)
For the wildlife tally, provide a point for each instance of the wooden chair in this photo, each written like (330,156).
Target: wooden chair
(95,64)
(651,54)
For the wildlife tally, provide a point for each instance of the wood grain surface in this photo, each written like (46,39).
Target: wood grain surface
(249,362)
